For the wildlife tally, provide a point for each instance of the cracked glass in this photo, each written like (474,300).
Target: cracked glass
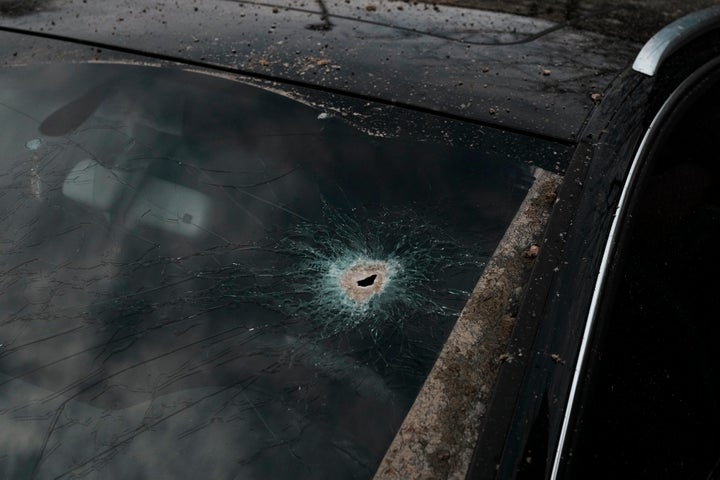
(203,278)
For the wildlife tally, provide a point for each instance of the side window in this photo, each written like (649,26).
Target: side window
(651,402)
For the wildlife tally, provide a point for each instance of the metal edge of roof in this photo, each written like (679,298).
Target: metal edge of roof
(673,36)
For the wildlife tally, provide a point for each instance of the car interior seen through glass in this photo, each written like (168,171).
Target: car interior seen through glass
(250,284)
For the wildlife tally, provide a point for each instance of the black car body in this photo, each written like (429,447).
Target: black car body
(243,240)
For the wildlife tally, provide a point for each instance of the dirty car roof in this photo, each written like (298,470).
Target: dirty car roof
(523,74)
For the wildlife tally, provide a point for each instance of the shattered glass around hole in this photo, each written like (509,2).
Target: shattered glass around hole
(204,279)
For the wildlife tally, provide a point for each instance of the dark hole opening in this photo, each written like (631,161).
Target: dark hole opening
(366,282)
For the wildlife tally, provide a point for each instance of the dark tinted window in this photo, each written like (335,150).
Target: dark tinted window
(651,402)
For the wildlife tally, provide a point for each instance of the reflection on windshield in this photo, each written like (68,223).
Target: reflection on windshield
(204,279)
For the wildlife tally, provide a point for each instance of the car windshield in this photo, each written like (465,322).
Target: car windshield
(206,279)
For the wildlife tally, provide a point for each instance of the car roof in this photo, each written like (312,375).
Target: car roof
(520,73)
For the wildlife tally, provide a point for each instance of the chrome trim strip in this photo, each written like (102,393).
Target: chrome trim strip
(672,37)
(599,284)
(677,95)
